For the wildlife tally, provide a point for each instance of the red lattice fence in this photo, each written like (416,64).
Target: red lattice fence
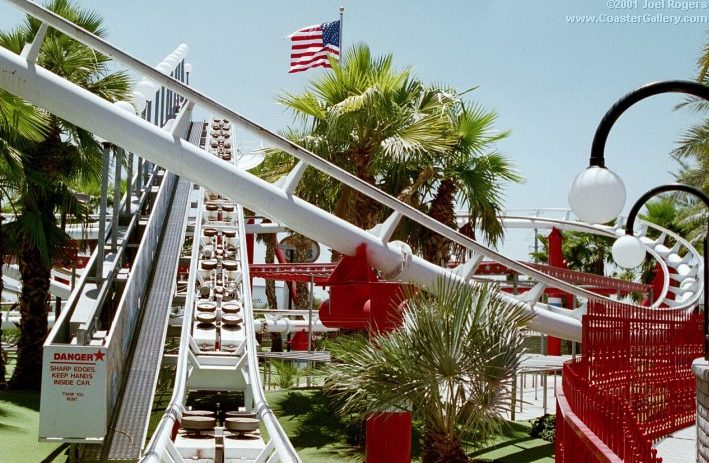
(632,385)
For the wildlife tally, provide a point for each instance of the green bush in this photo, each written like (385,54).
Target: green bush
(544,427)
(286,372)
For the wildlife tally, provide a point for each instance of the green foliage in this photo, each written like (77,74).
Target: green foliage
(449,364)
(544,427)
(286,373)
(692,154)
(403,136)
(583,252)
(48,159)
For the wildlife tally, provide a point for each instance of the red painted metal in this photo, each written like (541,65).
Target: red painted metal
(608,284)
(633,384)
(299,341)
(289,272)
(556,259)
(597,283)
(388,438)
(575,441)
(358,300)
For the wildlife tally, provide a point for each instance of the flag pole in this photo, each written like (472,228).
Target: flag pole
(342,48)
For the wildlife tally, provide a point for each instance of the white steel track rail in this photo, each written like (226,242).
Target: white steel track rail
(66,100)
(161,446)
(24,78)
(79,106)
(158,449)
(284,448)
(682,258)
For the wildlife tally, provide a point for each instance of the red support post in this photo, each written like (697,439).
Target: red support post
(358,300)
(388,438)
(556,259)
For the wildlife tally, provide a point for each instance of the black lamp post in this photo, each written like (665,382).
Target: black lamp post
(597,195)
(629,232)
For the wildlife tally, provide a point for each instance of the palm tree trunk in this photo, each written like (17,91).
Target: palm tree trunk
(437,249)
(302,294)
(442,448)
(33,320)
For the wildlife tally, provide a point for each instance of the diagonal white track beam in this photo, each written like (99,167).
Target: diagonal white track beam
(100,45)
(108,121)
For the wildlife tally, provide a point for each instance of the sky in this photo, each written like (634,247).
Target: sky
(549,79)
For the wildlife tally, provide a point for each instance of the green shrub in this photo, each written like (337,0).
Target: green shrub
(544,427)
(287,373)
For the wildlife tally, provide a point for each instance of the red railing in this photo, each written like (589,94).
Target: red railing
(632,386)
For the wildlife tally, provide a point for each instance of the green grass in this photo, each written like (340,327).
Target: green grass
(514,445)
(19,423)
(318,434)
(314,428)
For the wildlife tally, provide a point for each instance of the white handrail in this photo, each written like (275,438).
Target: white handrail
(616,232)
(285,449)
(282,143)
(163,432)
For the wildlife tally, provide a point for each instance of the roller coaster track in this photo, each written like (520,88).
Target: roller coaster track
(22,76)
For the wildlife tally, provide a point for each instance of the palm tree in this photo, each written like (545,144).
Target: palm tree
(269,239)
(67,155)
(363,115)
(20,123)
(583,252)
(421,143)
(450,364)
(692,153)
(471,174)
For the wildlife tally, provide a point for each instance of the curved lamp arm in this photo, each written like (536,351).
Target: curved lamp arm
(655,88)
(701,195)
(655,191)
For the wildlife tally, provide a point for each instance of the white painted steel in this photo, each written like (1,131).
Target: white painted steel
(94,114)
(155,451)
(284,448)
(89,111)
(418,273)
(683,258)
(285,325)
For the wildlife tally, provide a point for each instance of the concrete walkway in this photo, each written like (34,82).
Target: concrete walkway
(680,447)
(532,404)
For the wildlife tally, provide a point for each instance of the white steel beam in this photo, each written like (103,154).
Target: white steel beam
(132,133)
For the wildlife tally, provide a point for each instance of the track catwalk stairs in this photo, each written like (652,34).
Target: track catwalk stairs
(127,434)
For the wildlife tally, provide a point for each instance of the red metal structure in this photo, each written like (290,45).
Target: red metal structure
(633,384)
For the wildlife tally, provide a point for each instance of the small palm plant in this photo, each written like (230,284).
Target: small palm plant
(451,364)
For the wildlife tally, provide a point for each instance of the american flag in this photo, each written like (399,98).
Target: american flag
(311,45)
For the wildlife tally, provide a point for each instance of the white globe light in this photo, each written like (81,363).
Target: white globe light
(138,101)
(147,89)
(125,106)
(628,251)
(188,67)
(597,195)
